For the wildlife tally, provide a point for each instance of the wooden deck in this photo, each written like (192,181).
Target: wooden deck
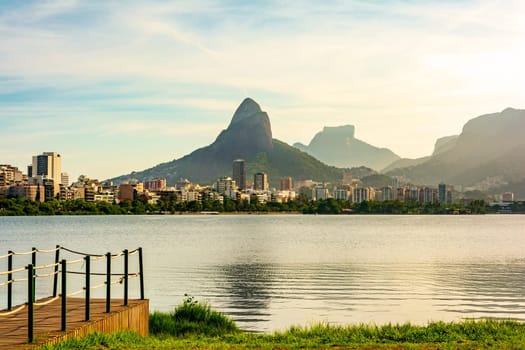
(47,320)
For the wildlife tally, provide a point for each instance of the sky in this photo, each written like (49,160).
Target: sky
(117,86)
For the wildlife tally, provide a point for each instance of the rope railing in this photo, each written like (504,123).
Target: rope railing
(48,250)
(80,253)
(72,262)
(12,271)
(47,274)
(15,311)
(61,269)
(6,256)
(40,267)
(47,302)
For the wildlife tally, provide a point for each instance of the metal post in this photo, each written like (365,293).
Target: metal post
(64,295)
(108,283)
(126,269)
(141,271)
(88,285)
(10,281)
(33,261)
(55,278)
(30,301)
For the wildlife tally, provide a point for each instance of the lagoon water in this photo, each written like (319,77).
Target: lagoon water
(273,271)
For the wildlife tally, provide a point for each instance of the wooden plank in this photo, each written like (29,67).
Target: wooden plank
(13,328)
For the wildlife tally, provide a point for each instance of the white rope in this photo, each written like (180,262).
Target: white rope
(25,253)
(69,262)
(96,258)
(117,255)
(6,283)
(48,250)
(75,293)
(136,251)
(13,311)
(98,286)
(40,267)
(7,255)
(48,274)
(20,280)
(118,281)
(47,302)
(12,271)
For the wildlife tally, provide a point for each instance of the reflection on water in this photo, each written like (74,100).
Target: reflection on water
(270,272)
(249,289)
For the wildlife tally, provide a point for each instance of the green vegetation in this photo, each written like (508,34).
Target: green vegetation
(191,317)
(194,325)
(20,207)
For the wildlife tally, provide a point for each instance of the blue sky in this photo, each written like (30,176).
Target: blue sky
(119,86)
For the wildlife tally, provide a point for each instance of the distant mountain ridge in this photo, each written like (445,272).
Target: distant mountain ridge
(442,144)
(489,152)
(338,146)
(249,137)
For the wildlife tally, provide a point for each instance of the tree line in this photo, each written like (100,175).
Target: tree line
(170,205)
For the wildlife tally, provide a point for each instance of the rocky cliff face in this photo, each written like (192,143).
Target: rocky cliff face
(490,149)
(249,133)
(338,146)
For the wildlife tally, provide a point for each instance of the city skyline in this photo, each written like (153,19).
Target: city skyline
(117,88)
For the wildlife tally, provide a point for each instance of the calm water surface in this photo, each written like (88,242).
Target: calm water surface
(269,272)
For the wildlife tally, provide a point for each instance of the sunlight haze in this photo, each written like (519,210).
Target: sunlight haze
(120,86)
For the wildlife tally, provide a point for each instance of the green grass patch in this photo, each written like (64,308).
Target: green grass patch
(191,317)
(194,325)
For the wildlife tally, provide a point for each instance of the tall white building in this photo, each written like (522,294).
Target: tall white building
(64,179)
(48,165)
(361,194)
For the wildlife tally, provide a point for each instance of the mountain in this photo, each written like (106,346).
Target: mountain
(489,152)
(338,146)
(249,137)
(442,144)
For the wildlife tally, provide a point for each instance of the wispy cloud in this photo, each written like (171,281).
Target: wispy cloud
(420,68)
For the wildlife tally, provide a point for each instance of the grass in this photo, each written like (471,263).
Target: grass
(194,325)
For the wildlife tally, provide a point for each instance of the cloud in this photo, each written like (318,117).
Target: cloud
(420,68)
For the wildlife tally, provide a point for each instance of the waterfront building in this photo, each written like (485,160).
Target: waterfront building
(189,196)
(413,194)
(10,175)
(64,179)
(444,193)
(48,165)
(155,185)
(225,185)
(395,189)
(387,193)
(260,182)
(306,191)
(126,192)
(361,194)
(304,183)
(429,195)
(283,196)
(34,193)
(286,184)
(108,197)
(400,194)
(239,173)
(342,194)
(320,192)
